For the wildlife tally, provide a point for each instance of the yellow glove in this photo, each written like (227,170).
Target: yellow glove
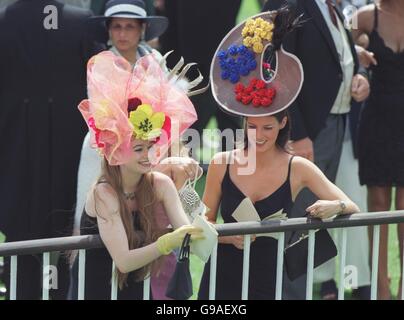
(169,241)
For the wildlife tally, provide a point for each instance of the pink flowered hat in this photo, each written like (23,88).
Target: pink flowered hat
(251,74)
(142,102)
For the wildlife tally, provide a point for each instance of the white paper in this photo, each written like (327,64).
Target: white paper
(246,212)
(203,248)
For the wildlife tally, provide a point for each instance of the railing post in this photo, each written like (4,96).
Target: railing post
(279,266)
(146,288)
(246,267)
(402,275)
(114,283)
(212,277)
(310,266)
(82,274)
(375,262)
(45,277)
(341,288)
(13,278)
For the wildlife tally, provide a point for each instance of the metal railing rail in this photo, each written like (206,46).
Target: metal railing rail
(239,228)
(83,243)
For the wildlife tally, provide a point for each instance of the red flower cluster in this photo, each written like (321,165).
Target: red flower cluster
(256,92)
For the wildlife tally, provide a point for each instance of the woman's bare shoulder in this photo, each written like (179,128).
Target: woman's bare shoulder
(102,200)
(160,183)
(366,16)
(302,166)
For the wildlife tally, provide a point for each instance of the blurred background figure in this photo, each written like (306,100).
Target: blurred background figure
(195,31)
(332,80)
(347,179)
(381,131)
(127,34)
(42,80)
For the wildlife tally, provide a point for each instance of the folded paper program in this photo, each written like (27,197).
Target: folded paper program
(246,212)
(203,248)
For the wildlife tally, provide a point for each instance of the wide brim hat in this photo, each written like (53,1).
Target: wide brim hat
(230,85)
(135,9)
(148,102)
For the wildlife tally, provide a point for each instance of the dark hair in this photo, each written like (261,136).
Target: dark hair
(283,135)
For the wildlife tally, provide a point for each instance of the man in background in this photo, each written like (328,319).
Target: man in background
(318,116)
(46,46)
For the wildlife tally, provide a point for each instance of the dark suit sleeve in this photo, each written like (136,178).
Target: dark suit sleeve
(298,128)
(94,38)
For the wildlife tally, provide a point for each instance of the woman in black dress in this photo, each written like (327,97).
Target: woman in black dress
(381,130)
(275,177)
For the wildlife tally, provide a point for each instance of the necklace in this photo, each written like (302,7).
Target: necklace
(129,195)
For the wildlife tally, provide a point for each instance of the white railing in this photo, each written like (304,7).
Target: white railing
(83,243)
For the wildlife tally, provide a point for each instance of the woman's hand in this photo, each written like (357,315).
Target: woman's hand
(237,241)
(180,169)
(324,209)
(366,58)
(360,88)
(169,241)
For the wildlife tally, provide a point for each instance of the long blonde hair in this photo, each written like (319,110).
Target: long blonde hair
(149,230)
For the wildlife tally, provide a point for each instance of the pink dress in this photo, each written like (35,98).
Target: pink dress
(159,282)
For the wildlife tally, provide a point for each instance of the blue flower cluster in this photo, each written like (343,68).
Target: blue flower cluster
(234,67)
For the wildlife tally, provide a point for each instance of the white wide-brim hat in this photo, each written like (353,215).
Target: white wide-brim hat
(135,9)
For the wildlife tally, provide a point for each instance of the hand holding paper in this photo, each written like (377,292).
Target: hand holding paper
(203,248)
(246,212)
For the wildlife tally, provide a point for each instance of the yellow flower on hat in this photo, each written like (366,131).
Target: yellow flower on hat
(258,31)
(245,32)
(259,21)
(266,35)
(258,47)
(249,23)
(247,41)
(256,39)
(147,125)
(268,26)
(255,32)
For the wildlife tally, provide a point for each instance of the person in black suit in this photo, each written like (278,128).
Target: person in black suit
(327,53)
(42,80)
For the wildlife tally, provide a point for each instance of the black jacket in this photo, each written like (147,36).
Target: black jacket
(42,80)
(313,45)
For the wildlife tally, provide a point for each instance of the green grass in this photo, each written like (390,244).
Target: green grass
(248,8)
(394,260)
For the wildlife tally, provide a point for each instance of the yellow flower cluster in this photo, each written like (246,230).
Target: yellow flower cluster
(255,32)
